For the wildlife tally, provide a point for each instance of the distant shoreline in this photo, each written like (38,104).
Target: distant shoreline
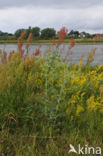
(78,41)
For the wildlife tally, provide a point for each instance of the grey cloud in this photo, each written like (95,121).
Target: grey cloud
(45,13)
(50,3)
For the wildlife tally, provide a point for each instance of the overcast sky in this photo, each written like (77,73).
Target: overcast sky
(82,15)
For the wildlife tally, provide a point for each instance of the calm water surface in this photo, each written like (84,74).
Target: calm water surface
(76,51)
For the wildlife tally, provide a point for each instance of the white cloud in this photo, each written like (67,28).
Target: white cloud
(87,19)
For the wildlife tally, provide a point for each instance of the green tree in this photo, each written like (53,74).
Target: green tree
(28,31)
(36,32)
(18,33)
(73,34)
(48,33)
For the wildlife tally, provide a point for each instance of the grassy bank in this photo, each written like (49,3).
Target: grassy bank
(50,41)
(47,104)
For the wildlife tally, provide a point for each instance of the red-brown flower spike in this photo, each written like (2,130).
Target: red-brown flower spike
(4,57)
(62,34)
(22,53)
(29,40)
(37,52)
(20,41)
(10,55)
(72,44)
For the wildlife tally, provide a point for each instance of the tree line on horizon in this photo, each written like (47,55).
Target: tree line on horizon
(45,34)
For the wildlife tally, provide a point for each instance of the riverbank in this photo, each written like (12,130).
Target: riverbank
(46,105)
(50,41)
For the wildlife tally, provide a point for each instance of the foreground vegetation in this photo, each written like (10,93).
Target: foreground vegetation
(48,103)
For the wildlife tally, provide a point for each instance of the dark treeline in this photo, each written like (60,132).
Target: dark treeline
(46,33)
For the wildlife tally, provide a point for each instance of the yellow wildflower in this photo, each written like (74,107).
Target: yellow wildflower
(92,104)
(79,110)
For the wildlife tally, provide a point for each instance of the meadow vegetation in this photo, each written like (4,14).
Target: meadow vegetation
(47,103)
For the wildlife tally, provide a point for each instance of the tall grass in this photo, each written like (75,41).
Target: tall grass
(46,103)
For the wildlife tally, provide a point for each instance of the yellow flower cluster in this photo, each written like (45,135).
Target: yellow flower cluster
(92,103)
(80,96)
(99,68)
(79,80)
(79,110)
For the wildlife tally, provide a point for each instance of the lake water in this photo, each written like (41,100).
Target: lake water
(77,50)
